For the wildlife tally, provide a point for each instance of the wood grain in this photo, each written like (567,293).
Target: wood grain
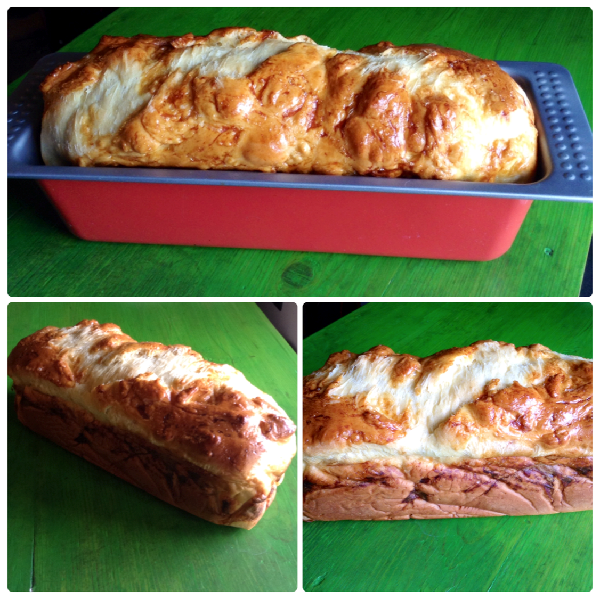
(547,258)
(74,527)
(537,553)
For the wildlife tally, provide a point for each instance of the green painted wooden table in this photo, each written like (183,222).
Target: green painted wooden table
(74,527)
(547,258)
(524,553)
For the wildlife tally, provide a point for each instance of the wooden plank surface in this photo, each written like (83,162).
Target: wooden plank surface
(547,259)
(525,553)
(74,527)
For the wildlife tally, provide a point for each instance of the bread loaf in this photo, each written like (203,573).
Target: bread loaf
(195,434)
(255,100)
(484,430)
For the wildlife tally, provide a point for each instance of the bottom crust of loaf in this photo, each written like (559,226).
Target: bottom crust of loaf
(512,486)
(135,460)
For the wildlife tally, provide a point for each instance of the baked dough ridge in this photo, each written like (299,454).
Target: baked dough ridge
(255,100)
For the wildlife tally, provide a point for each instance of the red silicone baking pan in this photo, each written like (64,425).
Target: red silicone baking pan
(320,213)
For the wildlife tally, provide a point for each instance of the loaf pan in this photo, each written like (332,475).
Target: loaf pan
(322,213)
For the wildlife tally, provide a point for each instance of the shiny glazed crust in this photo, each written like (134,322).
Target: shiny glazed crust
(195,434)
(255,100)
(484,430)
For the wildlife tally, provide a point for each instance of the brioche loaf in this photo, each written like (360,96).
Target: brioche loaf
(255,100)
(195,434)
(484,430)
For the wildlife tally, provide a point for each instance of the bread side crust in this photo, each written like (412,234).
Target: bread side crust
(132,458)
(424,490)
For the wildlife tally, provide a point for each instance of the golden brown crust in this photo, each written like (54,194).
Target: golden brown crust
(552,406)
(34,354)
(421,489)
(325,422)
(419,110)
(558,411)
(221,426)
